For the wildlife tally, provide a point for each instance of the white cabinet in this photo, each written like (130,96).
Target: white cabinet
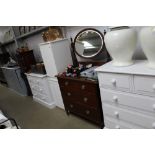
(128,95)
(55,90)
(56,56)
(40,89)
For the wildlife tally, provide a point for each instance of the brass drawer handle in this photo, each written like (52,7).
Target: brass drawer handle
(83,87)
(68,94)
(71,105)
(87,112)
(85,99)
(66,83)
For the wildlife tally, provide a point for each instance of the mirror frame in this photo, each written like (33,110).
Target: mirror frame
(101,48)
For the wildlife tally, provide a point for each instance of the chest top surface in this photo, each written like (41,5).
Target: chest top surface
(138,68)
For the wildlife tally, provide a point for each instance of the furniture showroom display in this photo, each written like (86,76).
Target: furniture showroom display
(81,96)
(128,95)
(16,80)
(147,40)
(121,43)
(56,56)
(40,89)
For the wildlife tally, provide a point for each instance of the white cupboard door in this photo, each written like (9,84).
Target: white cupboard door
(49,62)
(55,91)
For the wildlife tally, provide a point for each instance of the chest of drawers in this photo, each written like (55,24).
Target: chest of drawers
(128,95)
(40,89)
(82,97)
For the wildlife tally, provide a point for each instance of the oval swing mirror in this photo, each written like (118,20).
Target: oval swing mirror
(88,43)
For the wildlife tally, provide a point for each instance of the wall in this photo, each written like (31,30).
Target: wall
(70,31)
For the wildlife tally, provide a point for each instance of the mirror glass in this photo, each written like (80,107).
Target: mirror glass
(88,43)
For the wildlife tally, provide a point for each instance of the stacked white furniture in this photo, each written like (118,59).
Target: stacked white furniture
(56,56)
(40,89)
(128,95)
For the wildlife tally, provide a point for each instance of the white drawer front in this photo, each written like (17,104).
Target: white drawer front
(131,100)
(129,116)
(115,81)
(144,85)
(113,123)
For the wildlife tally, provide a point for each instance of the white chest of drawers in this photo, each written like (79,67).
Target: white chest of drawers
(40,89)
(128,95)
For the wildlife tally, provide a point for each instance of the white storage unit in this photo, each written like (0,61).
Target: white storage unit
(128,95)
(55,90)
(56,56)
(40,89)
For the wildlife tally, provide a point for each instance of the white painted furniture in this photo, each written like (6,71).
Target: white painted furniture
(55,90)
(40,89)
(56,56)
(128,95)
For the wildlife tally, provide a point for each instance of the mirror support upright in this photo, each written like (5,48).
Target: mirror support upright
(74,58)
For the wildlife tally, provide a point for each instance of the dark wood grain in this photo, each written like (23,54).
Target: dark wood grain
(82,98)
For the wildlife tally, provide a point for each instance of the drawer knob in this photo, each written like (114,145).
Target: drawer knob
(153,87)
(115,99)
(66,83)
(68,94)
(116,113)
(71,105)
(87,112)
(153,125)
(113,81)
(83,87)
(117,127)
(154,107)
(85,99)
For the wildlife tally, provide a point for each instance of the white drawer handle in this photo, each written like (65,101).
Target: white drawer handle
(116,113)
(113,81)
(153,125)
(117,127)
(153,87)
(115,99)
(153,107)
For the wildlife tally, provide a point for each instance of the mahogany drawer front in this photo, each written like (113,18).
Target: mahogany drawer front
(144,85)
(85,111)
(81,98)
(77,86)
(115,81)
(129,116)
(113,123)
(127,99)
